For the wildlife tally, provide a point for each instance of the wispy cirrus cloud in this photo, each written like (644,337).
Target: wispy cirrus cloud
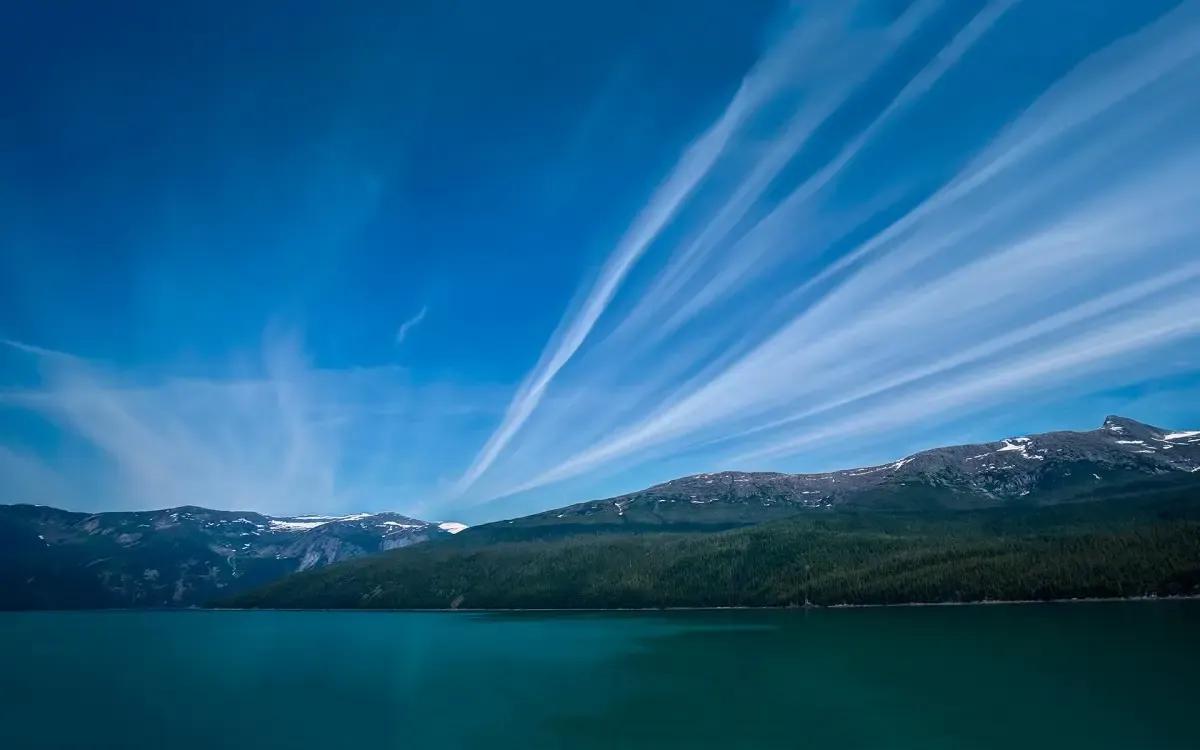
(804,42)
(1063,249)
(279,435)
(407,326)
(665,304)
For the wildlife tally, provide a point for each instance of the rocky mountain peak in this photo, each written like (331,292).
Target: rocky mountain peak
(1131,427)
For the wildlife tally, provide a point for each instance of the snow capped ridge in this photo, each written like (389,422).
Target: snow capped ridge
(292,525)
(188,555)
(1149,436)
(247,523)
(351,517)
(307,522)
(391,522)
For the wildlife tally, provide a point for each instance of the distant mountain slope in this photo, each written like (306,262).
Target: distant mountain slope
(1030,470)
(51,558)
(1143,540)
(1108,512)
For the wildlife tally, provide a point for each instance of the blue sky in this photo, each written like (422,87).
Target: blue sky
(473,260)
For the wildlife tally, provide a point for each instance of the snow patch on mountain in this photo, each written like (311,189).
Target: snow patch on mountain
(278,525)
(1181,435)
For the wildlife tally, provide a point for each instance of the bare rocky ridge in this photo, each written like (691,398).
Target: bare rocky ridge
(1043,469)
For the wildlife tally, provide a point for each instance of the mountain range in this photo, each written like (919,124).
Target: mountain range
(674,544)
(1043,469)
(51,558)
(1110,512)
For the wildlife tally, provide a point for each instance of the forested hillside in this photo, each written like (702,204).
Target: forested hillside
(1143,541)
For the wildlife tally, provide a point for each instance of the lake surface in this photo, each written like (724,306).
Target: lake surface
(1104,675)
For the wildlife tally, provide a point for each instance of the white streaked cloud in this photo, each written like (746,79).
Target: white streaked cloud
(1154,327)
(750,253)
(278,435)
(1066,245)
(807,39)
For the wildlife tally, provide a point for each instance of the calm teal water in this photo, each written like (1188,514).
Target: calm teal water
(1047,676)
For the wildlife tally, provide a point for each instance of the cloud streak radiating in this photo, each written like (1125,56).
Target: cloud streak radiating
(771,74)
(1060,249)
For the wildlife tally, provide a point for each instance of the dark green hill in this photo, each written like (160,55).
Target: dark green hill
(1138,540)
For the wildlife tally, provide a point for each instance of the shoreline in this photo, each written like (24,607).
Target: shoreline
(785,608)
(593,610)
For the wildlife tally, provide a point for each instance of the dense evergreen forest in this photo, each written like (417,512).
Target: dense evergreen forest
(1142,543)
